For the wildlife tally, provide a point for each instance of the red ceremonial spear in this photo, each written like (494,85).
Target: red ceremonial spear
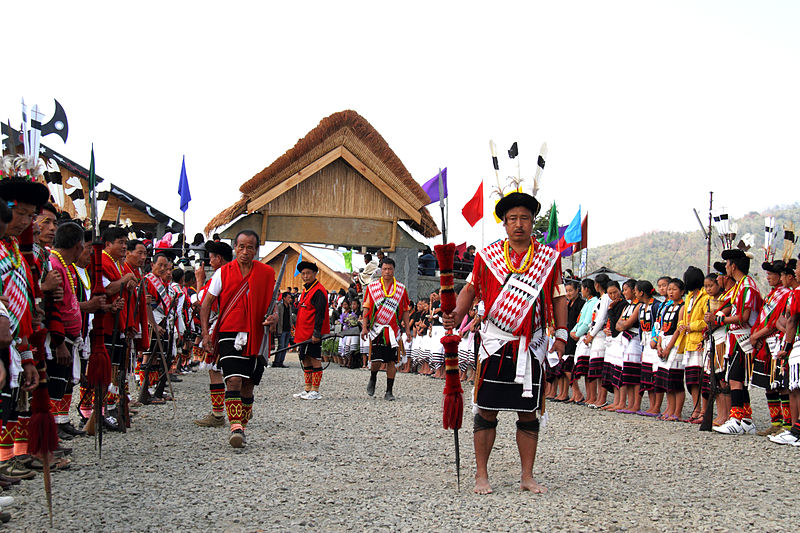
(453,410)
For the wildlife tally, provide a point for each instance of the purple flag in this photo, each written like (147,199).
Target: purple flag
(565,253)
(432,186)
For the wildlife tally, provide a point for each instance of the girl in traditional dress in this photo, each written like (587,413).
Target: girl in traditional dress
(612,360)
(670,372)
(648,314)
(574,307)
(596,338)
(420,344)
(583,349)
(714,345)
(692,327)
(628,326)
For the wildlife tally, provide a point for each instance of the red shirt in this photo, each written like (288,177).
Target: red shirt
(245,313)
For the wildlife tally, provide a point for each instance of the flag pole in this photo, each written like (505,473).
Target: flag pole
(483,216)
(184,234)
(441,206)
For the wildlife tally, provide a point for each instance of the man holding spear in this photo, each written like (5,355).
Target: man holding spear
(519,282)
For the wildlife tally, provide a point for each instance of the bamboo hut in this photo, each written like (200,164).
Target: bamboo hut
(331,279)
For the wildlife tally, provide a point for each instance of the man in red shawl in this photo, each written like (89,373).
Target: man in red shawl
(519,282)
(244,290)
(312,323)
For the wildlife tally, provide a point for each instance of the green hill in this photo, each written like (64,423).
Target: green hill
(659,253)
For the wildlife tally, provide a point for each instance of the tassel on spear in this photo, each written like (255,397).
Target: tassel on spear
(453,403)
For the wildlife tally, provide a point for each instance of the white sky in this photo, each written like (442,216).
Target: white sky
(645,106)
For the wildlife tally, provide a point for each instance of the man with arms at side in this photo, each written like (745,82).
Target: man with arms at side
(244,289)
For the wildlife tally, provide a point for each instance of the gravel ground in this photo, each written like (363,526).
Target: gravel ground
(353,463)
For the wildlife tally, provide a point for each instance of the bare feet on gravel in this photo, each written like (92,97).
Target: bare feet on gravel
(482,486)
(531,485)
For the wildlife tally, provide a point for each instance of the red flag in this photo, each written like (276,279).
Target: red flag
(584,234)
(473,210)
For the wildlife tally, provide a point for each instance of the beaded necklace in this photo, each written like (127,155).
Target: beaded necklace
(64,264)
(16,255)
(526,263)
(113,261)
(309,288)
(87,283)
(394,288)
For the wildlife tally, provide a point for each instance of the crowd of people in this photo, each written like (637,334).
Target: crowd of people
(703,334)
(67,305)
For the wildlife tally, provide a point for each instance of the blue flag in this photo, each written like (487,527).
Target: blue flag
(299,260)
(573,233)
(183,187)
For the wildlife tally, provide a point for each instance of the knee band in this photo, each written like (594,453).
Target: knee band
(479,423)
(528,425)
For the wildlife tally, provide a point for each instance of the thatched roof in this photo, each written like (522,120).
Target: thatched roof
(345,129)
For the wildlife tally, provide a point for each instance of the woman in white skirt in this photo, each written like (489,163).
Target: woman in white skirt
(596,338)
(612,359)
(628,326)
(648,315)
(582,349)
(670,371)
(693,326)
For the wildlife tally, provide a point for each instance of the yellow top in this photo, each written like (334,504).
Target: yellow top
(694,309)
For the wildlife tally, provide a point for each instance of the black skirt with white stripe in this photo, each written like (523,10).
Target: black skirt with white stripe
(234,364)
(498,391)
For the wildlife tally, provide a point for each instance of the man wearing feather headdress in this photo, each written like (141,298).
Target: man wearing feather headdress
(519,282)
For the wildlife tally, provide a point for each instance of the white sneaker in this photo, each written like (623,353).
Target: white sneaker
(784,438)
(313,395)
(748,427)
(5,501)
(731,427)
(301,395)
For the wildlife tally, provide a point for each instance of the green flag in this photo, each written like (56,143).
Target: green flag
(348,260)
(552,227)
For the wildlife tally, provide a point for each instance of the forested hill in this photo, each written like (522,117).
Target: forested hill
(659,253)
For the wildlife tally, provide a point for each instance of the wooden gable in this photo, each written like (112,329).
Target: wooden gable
(329,278)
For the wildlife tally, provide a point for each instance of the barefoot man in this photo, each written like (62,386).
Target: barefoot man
(519,282)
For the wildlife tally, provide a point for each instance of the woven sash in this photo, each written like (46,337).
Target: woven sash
(519,293)
(163,294)
(15,286)
(385,306)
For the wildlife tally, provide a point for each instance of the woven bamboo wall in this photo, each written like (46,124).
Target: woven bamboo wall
(336,190)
